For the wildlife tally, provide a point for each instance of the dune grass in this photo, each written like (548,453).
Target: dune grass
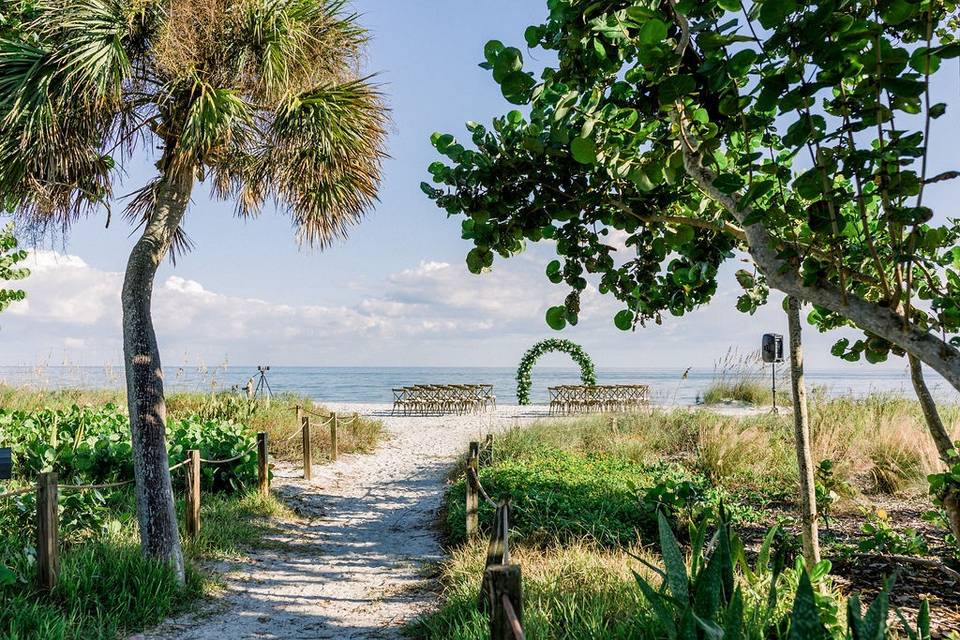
(745,378)
(878,444)
(572,592)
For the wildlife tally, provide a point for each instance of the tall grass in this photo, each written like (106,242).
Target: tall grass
(107,589)
(739,377)
(878,444)
(571,592)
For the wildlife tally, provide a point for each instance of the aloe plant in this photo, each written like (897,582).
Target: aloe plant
(713,595)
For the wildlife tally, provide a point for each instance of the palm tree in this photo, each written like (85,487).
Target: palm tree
(261,99)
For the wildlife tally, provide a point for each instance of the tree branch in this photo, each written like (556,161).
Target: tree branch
(763,248)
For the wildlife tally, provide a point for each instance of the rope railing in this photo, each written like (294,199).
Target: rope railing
(512,618)
(93,487)
(475,481)
(16,492)
(233,459)
(105,485)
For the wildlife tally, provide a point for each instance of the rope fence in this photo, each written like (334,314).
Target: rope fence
(501,590)
(47,487)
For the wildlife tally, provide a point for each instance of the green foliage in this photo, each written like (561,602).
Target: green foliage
(106,590)
(216,441)
(699,128)
(259,87)
(10,256)
(588,374)
(881,537)
(86,445)
(561,496)
(573,592)
(557,495)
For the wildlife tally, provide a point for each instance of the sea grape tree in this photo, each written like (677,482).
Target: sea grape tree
(10,258)
(795,132)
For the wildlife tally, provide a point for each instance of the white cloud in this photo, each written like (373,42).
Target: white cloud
(430,313)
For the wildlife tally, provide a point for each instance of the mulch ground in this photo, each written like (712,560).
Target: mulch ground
(864,573)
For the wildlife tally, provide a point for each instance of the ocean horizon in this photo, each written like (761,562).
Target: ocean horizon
(370,384)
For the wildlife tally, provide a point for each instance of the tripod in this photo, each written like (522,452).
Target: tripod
(263,385)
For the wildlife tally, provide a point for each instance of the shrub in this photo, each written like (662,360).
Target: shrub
(717,594)
(85,445)
(216,441)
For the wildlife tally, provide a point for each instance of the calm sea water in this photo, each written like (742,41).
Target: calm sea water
(373,384)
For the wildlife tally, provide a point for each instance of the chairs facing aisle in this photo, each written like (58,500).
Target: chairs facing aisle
(420,399)
(606,397)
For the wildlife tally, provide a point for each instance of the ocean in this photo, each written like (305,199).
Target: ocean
(374,384)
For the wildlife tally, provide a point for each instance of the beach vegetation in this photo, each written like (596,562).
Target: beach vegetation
(588,494)
(106,587)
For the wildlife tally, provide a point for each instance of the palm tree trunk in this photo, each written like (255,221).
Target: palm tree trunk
(156,515)
(801,425)
(941,437)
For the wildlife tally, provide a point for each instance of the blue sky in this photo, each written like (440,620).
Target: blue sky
(397,292)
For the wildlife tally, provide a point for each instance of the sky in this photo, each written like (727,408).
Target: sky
(397,292)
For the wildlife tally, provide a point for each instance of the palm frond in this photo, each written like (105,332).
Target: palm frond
(92,38)
(263,96)
(320,158)
(216,119)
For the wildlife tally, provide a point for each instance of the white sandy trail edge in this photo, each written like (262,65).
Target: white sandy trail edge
(355,568)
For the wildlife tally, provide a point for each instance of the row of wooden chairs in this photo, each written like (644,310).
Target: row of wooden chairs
(567,399)
(421,399)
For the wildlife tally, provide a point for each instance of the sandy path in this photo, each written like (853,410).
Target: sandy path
(355,568)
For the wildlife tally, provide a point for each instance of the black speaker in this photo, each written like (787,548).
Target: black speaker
(772,347)
(6,464)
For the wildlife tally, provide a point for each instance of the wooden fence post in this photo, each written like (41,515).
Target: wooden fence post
(263,464)
(334,444)
(48,518)
(307,452)
(473,495)
(193,493)
(299,415)
(504,580)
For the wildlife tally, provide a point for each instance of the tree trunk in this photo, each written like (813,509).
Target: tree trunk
(156,516)
(951,496)
(801,426)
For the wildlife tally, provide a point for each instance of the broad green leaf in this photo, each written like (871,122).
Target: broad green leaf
(557,317)
(805,621)
(583,150)
(673,561)
(653,32)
